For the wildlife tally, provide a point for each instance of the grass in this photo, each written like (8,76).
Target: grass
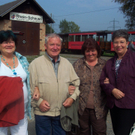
(109,54)
(31,58)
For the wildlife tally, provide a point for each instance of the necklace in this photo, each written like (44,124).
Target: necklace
(13,70)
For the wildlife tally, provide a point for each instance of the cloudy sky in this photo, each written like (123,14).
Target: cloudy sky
(89,15)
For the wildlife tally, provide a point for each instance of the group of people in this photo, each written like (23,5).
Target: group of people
(51,82)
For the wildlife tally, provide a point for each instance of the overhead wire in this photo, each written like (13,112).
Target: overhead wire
(88,12)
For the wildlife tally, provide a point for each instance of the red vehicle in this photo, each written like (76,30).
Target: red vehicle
(73,41)
(76,40)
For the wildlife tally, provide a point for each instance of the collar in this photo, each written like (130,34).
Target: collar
(125,57)
(18,55)
(58,60)
(100,61)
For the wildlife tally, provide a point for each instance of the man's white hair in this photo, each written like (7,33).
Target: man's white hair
(52,35)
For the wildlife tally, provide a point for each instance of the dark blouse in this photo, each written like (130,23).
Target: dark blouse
(86,79)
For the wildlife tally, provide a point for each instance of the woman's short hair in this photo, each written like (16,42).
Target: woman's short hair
(120,33)
(89,44)
(7,35)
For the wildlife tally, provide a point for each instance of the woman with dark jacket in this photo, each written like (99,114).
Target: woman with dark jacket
(120,88)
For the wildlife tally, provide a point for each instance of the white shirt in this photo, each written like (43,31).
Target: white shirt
(6,71)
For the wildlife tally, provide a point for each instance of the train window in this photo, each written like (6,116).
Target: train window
(105,38)
(84,37)
(109,37)
(71,38)
(78,38)
(101,38)
(132,37)
(65,39)
(96,38)
(91,36)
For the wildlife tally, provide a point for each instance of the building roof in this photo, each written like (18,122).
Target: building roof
(6,8)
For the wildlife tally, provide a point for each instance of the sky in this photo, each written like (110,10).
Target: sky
(89,15)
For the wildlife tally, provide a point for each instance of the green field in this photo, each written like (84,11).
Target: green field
(30,58)
(110,54)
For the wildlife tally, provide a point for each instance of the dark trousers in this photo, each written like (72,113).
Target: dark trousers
(46,125)
(122,120)
(89,121)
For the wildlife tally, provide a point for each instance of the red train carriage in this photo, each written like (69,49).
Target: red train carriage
(73,41)
(77,39)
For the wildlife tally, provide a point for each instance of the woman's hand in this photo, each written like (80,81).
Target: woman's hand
(117,93)
(106,81)
(44,106)
(71,89)
(68,102)
(36,94)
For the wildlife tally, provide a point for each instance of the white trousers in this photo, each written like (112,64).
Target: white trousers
(20,129)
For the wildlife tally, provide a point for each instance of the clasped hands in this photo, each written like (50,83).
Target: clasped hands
(44,106)
(68,102)
(118,94)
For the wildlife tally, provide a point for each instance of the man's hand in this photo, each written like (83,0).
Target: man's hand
(117,93)
(106,81)
(68,102)
(36,94)
(44,106)
(71,89)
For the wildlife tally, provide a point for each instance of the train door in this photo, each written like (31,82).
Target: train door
(104,41)
(64,43)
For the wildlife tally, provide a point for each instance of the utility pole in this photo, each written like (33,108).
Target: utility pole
(114,23)
(114,26)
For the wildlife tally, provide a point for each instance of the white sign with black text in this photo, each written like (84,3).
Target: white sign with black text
(26,17)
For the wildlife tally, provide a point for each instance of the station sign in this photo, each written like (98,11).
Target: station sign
(26,17)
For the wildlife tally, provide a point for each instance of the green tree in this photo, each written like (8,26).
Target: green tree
(128,8)
(49,29)
(66,27)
